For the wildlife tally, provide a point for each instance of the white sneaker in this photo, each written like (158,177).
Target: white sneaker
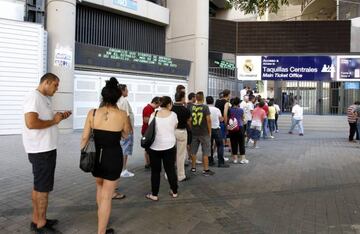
(272,137)
(125,173)
(235,161)
(198,162)
(226,159)
(277,131)
(251,141)
(244,161)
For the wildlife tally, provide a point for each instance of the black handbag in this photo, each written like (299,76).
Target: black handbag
(149,135)
(88,153)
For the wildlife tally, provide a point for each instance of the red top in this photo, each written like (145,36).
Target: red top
(147,111)
(266,108)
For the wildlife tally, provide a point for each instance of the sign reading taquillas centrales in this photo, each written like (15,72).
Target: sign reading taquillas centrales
(296,68)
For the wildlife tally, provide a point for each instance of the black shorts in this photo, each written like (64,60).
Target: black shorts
(43,167)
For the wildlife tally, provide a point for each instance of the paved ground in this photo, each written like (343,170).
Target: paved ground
(292,184)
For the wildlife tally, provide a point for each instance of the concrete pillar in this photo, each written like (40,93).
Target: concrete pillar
(60,25)
(188,38)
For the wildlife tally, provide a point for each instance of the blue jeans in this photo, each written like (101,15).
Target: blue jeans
(265,126)
(223,130)
(248,125)
(217,137)
(295,122)
(272,125)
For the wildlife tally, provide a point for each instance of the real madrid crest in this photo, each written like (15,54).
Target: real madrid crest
(248,66)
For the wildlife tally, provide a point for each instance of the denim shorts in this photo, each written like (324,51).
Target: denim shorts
(255,133)
(127,145)
(43,168)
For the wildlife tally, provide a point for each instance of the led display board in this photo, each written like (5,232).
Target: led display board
(105,57)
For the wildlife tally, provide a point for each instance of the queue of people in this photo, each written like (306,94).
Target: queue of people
(181,128)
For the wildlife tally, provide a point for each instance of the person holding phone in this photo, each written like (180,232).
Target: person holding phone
(40,142)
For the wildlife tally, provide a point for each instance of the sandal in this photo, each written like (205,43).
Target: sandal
(152,197)
(118,196)
(172,194)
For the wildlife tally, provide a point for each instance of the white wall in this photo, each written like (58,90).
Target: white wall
(187,37)
(144,9)
(13,10)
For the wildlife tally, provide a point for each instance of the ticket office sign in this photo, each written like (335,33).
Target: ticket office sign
(298,68)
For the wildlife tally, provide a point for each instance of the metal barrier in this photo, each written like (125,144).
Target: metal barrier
(220,79)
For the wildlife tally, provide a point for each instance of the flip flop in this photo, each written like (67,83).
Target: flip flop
(118,196)
(151,197)
(173,195)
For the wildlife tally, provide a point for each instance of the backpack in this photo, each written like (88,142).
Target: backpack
(233,125)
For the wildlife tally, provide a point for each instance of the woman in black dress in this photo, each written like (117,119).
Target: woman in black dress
(109,124)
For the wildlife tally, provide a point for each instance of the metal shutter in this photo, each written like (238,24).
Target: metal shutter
(142,88)
(22,63)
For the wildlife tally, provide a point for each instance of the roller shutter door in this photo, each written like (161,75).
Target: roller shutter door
(142,88)
(22,63)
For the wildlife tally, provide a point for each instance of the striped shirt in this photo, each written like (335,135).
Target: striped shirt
(350,114)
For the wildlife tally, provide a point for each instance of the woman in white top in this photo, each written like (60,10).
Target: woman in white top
(163,148)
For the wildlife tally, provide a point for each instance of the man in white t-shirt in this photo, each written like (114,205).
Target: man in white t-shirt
(40,143)
(297,119)
(128,143)
(243,92)
(216,118)
(248,108)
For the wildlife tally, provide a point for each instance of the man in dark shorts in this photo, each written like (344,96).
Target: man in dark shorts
(40,143)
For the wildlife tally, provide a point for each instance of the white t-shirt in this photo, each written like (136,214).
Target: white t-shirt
(298,112)
(215,114)
(124,105)
(164,132)
(277,108)
(39,140)
(248,107)
(243,93)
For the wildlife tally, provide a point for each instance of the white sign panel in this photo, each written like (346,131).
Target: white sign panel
(63,58)
(248,67)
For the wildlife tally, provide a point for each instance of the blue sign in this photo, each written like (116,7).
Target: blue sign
(297,68)
(352,85)
(131,4)
(349,68)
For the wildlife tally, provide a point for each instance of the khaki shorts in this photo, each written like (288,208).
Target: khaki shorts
(205,144)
